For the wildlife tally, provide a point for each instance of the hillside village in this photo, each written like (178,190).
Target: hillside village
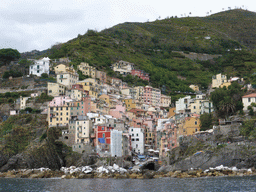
(103,114)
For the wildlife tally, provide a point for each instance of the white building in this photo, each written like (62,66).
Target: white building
(116,143)
(123,67)
(137,139)
(182,104)
(39,67)
(207,107)
(248,100)
(80,128)
(67,79)
(23,102)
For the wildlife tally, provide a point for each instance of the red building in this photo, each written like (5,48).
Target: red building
(103,138)
(141,74)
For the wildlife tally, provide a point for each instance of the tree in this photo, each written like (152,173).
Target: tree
(227,101)
(205,121)
(44,75)
(247,128)
(8,55)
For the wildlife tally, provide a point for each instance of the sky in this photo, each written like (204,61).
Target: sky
(27,25)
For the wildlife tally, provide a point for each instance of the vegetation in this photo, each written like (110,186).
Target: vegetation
(8,55)
(12,73)
(227,101)
(206,121)
(152,47)
(43,98)
(248,129)
(10,97)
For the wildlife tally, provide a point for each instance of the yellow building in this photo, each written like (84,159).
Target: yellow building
(171,112)
(165,101)
(218,80)
(139,93)
(61,68)
(91,85)
(195,107)
(130,104)
(225,84)
(55,89)
(87,70)
(105,98)
(58,116)
(194,87)
(189,126)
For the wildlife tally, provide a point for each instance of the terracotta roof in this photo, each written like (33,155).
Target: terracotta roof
(136,110)
(250,95)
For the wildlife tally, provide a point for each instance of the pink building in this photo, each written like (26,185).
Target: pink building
(141,74)
(147,96)
(59,101)
(118,111)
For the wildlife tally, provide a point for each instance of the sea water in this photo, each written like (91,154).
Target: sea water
(219,184)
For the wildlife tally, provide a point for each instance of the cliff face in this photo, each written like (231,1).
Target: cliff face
(223,147)
(26,142)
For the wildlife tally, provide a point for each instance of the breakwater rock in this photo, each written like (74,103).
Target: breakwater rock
(117,172)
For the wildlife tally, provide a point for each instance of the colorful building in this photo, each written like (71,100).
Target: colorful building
(141,74)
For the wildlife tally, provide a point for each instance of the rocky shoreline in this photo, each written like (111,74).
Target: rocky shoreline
(117,172)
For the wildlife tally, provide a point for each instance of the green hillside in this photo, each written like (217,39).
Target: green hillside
(150,47)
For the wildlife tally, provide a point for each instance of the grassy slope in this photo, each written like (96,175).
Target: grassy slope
(149,46)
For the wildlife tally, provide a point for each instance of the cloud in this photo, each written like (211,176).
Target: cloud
(37,24)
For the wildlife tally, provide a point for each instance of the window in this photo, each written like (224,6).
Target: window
(67,113)
(131,129)
(61,119)
(132,135)
(249,99)
(132,139)
(102,128)
(195,122)
(137,134)
(137,139)
(103,135)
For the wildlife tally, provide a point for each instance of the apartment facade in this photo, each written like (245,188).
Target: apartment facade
(40,66)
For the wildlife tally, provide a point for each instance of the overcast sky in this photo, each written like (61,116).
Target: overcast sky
(26,25)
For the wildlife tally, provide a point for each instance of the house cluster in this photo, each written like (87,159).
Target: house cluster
(105,114)
(125,68)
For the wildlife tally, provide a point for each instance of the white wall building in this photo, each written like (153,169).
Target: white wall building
(39,67)
(248,100)
(67,79)
(116,143)
(182,104)
(80,128)
(137,139)
(23,102)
